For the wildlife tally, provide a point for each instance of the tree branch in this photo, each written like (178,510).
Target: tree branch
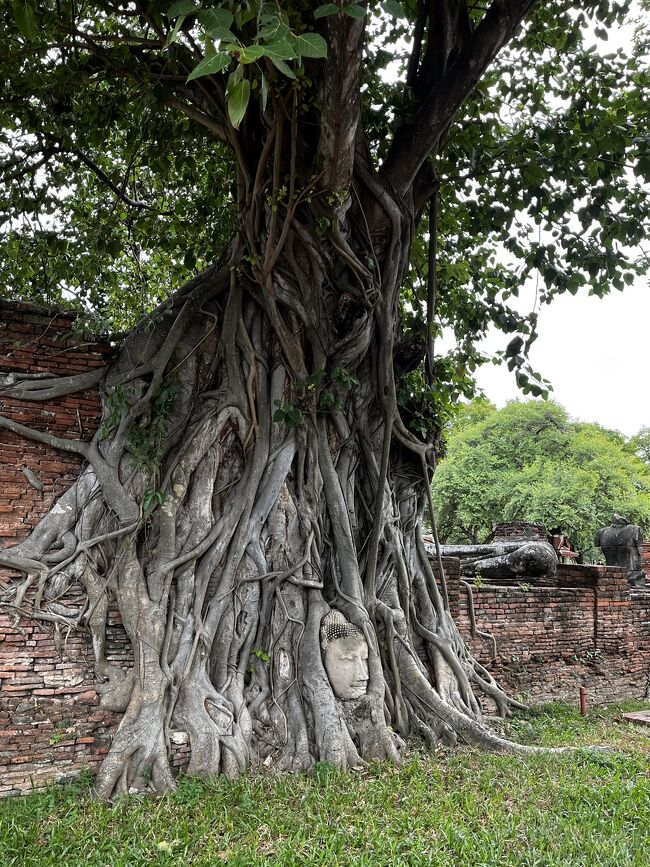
(341,102)
(414,141)
(200,117)
(76,447)
(117,497)
(22,564)
(46,387)
(103,177)
(105,60)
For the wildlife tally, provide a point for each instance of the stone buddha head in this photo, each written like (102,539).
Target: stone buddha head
(345,656)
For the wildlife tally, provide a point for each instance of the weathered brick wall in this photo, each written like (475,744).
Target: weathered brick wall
(519,531)
(50,723)
(33,341)
(645,558)
(590,630)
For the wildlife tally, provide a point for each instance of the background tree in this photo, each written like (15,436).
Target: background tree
(270,428)
(531,462)
(640,443)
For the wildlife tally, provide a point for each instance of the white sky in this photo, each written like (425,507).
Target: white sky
(595,352)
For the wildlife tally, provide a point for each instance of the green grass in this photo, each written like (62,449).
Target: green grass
(453,808)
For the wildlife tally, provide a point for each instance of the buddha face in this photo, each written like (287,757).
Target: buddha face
(346,664)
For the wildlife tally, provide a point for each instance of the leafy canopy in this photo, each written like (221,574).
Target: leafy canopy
(112,197)
(530,462)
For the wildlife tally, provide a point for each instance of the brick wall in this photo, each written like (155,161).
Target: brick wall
(51,725)
(34,341)
(50,722)
(590,630)
(519,531)
(645,558)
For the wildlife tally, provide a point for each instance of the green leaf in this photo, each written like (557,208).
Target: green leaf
(238,101)
(325,9)
(287,413)
(217,22)
(182,7)
(222,35)
(246,54)
(25,15)
(354,11)
(173,33)
(210,65)
(215,18)
(234,78)
(310,45)
(643,166)
(282,67)
(246,15)
(151,498)
(280,50)
(392,7)
(273,29)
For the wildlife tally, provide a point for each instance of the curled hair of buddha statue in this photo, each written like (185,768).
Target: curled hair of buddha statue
(334,625)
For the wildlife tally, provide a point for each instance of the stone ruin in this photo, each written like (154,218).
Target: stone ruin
(517,551)
(622,543)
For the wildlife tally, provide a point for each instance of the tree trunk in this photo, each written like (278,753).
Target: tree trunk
(245,483)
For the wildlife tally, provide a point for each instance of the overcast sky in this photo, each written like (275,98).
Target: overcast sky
(595,352)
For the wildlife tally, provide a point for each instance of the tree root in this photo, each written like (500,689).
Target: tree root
(227,543)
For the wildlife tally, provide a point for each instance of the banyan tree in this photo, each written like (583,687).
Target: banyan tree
(338,178)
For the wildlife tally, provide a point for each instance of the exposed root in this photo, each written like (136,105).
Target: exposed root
(238,490)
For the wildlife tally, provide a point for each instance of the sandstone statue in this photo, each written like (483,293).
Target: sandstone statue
(345,656)
(503,560)
(530,560)
(621,544)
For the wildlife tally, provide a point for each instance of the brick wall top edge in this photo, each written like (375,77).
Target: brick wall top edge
(41,315)
(516,590)
(36,309)
(590,569)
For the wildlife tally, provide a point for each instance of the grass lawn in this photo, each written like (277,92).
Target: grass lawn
(452,808)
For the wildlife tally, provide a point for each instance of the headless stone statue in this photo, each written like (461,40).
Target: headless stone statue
(621,545)
(531,559)
(345,656)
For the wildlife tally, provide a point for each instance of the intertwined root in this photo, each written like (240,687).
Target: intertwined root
(225,528)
